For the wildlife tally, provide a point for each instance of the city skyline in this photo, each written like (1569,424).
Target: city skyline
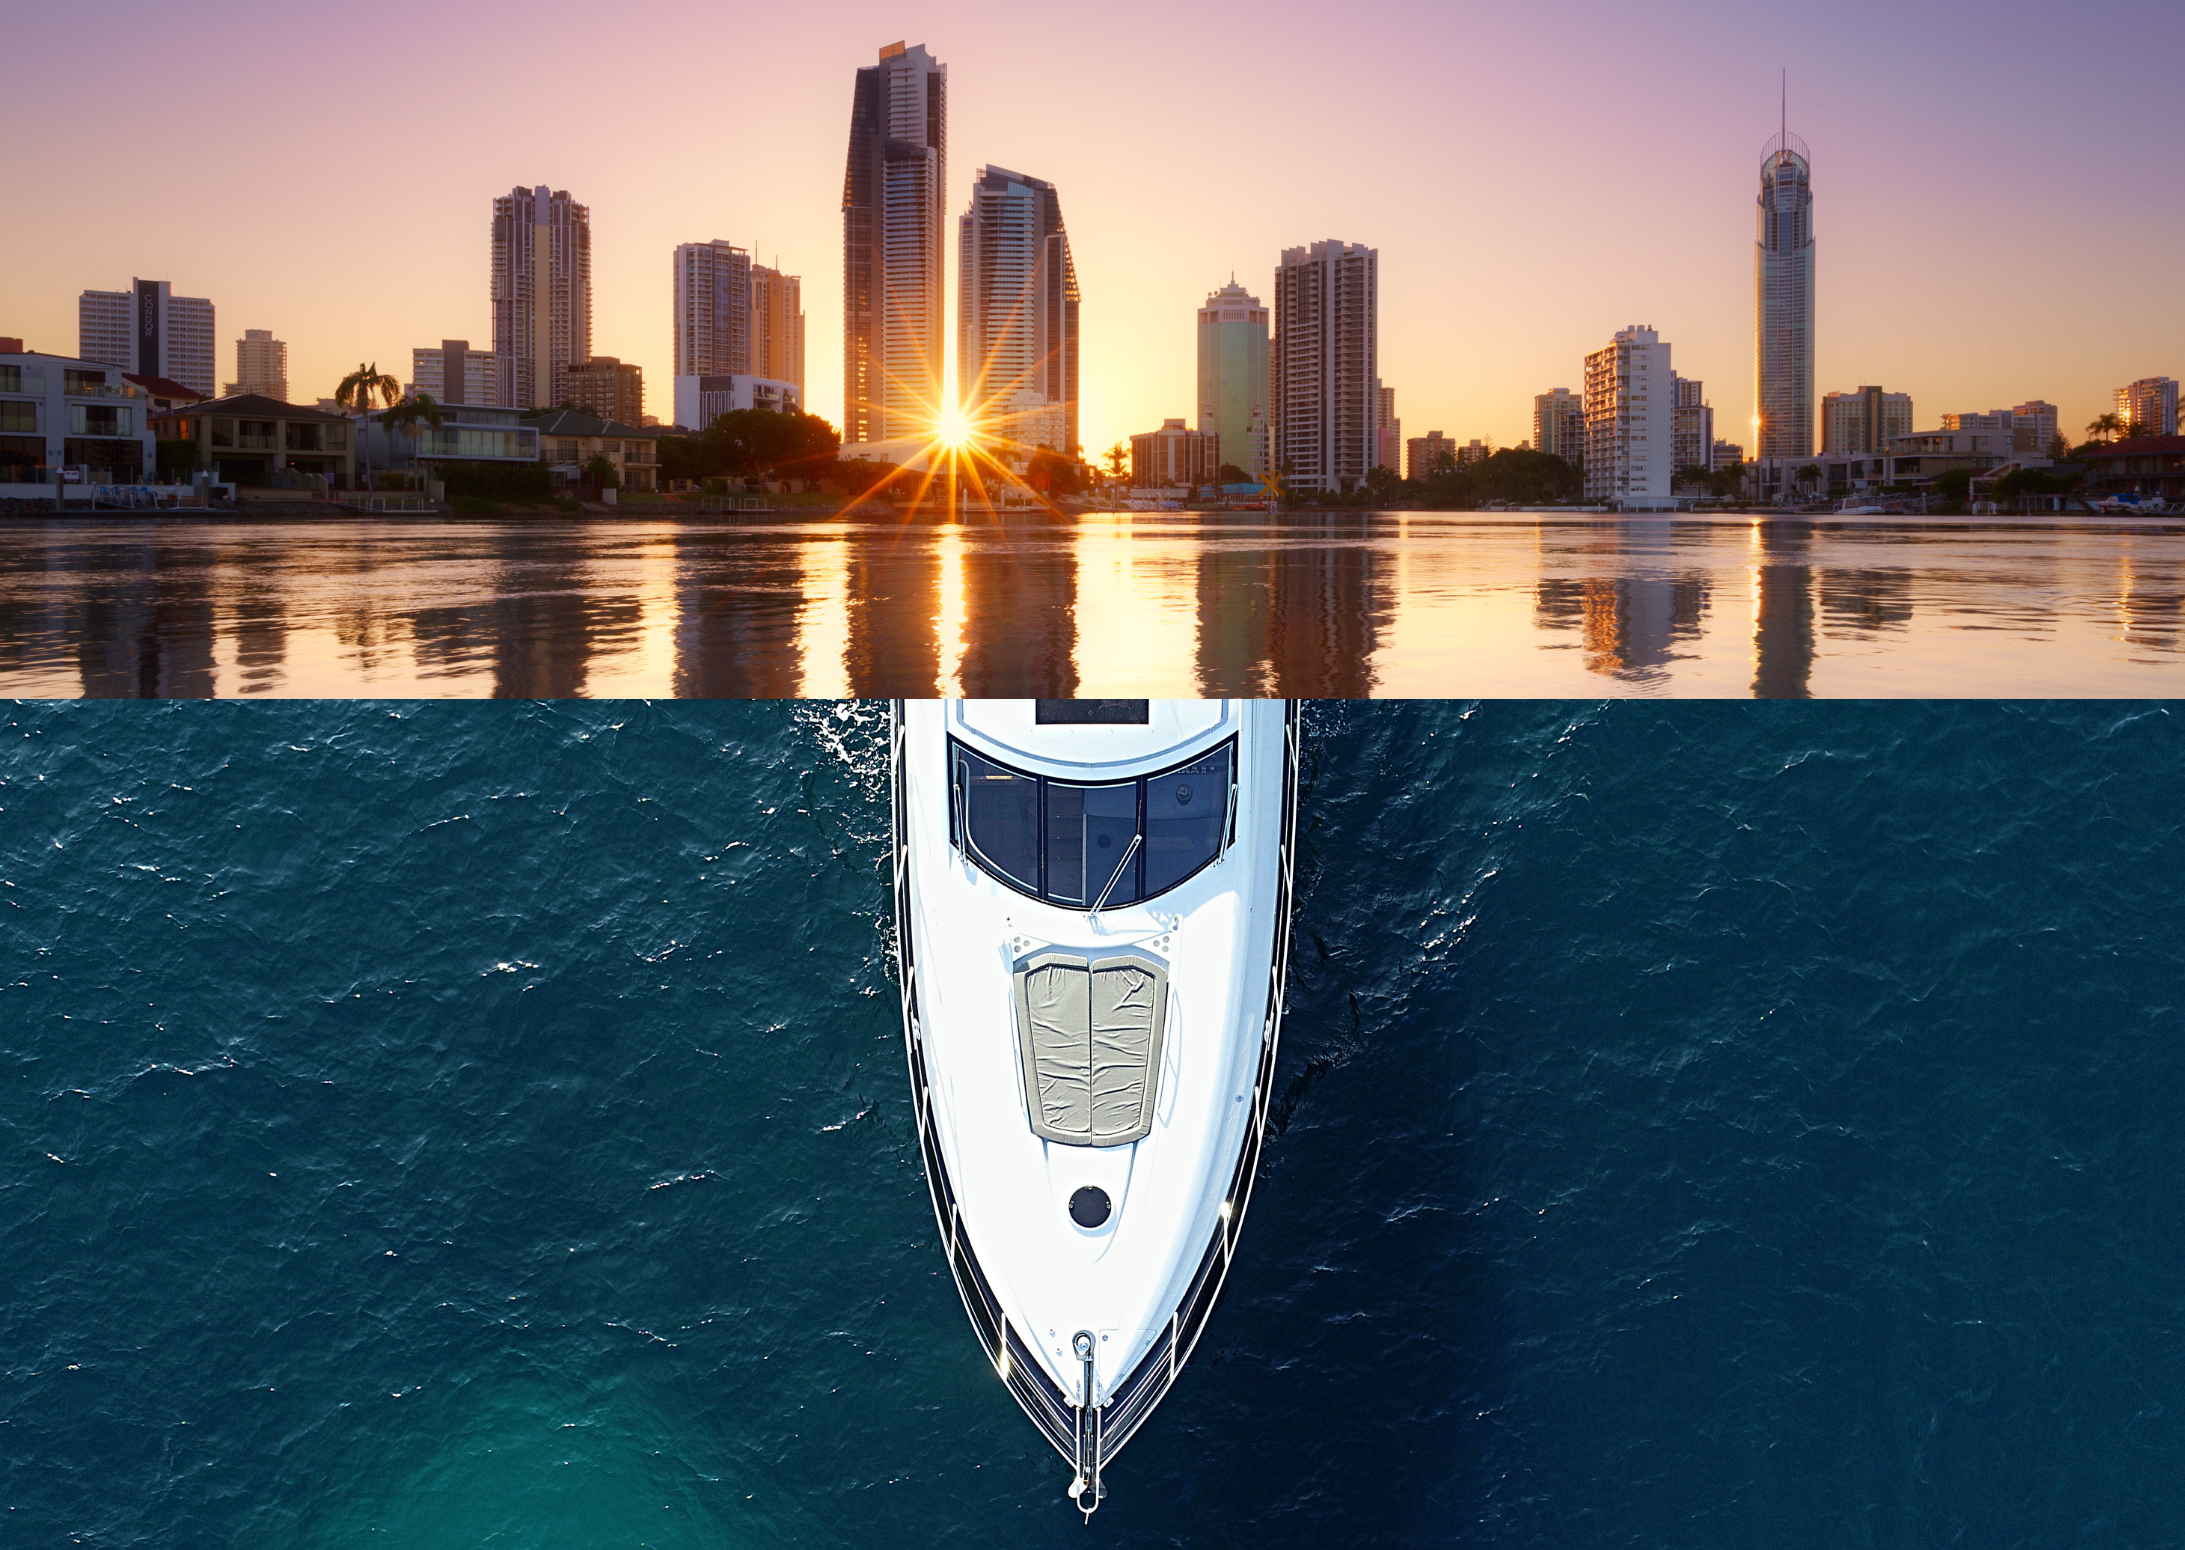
(1485,302)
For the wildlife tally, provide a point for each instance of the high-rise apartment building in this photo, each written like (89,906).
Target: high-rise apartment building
(1016,314)
(1864,423)
(777,327)
(1631,421)
(149,332)
(1389,454)
(1693,433)
(609,388)
(1430,454)
(894,324)
(1233,379)
(1173,456)
(1559,425)
(454,374)
(1783,301)
(542,294)
(261,365)
(2030,427)
(2040,416)
(2152,402)
(712,309)
(1327,365)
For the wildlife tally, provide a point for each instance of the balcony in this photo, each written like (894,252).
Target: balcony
(100,390)
(253,443)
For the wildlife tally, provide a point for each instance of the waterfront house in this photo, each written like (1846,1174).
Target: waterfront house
(480,434)
(78,421)
(2146,466)
(258,443)
(569,439)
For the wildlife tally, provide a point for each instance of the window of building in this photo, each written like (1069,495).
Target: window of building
(100,420)
(82,381)
(17,414)
(302,436)
(223,433)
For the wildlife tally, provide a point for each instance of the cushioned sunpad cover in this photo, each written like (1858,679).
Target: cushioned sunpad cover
(1090,1039)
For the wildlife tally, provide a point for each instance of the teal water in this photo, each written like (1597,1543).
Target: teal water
(1698,1124)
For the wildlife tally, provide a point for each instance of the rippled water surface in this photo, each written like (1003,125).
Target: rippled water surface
(1705,1124)
(1342,606)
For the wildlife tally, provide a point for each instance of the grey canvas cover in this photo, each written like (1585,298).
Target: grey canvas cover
(1089,1035)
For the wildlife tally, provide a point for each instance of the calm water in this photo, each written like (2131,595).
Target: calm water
(1697,1125)
(1350,606)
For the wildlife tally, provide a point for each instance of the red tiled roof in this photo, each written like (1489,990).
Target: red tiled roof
(164,387)
(2138,446)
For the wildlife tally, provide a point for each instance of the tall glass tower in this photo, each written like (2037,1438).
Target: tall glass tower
(1783,301)
(892,304)
(1016,317)
(1233,376)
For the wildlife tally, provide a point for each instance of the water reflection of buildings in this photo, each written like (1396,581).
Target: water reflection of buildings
(1020,615)
(736,608)
(2150,610)
(1865,602)
(1783,613)
(1628,625)
(147,622)
(538,631)
(1301,619)
(894,601)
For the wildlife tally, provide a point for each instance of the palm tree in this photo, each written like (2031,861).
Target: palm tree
(405,414)
(356,392)
(360,386)
(2104,428)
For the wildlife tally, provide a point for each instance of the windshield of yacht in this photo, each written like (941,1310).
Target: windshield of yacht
(1071,841)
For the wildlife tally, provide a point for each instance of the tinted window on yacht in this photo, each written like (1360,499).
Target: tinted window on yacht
(1067,842)
(1186,812)
(999,811)
(1089,834)
(1091,713)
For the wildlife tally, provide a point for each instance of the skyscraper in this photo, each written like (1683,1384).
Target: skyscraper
(1694,426)
(1327,364)
(1390,454)
(542,294)
(2152,402)
(777,327)
(1783,301)
(1630,421)
(894,324)
(454,374)
(149,332)
(1864,422)
(1016,318)
(1233,376)
(261,365)
(712,309)
(1559,425)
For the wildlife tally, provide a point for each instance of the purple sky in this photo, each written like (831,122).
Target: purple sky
(1999,198)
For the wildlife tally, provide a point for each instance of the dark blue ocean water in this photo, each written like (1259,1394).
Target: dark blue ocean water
(484,1124)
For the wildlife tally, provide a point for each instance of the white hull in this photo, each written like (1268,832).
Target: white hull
(1090,1206)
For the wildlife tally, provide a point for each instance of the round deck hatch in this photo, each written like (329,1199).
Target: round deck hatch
(1089,1207)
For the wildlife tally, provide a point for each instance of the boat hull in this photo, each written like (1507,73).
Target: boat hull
(1090,1403)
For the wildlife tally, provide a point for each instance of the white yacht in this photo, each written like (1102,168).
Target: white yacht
(1092,902)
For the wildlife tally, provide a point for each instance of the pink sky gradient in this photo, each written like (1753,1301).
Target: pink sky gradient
(1999,200)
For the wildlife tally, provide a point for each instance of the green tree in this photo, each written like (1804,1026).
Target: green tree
(1231,474)
(1382,485)
(1117,458)
(2137,429)
(1052,474)
(1952,484)
(2104,427)
(403,416)
(599,473)
(177,459)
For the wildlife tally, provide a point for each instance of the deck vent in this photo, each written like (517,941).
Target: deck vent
(1089,1207)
